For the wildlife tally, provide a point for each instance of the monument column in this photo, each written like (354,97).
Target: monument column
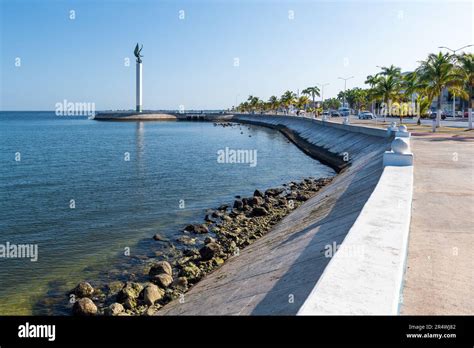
(139,77)
(139,86)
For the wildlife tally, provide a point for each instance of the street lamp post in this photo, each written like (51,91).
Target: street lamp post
(469,110)
(345,87)
(322,91)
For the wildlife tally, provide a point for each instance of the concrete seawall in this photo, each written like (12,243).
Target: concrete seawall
(278,273)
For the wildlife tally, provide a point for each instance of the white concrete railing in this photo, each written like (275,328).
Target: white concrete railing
(365,275)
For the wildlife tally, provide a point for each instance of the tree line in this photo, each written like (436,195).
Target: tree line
(422,86)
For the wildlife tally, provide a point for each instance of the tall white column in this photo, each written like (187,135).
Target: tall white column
(139,87)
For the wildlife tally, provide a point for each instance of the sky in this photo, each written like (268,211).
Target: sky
(210,54)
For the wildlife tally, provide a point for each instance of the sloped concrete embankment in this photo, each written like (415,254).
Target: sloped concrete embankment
(277,273)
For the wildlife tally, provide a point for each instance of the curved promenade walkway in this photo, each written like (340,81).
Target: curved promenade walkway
(440,267)
(276,273)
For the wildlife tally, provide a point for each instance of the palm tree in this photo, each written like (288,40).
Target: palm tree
(244,107)
(438,72)
(414,88)
(392,70)
(372,81)
(465,62)
(254,102)
(287,99)
(388,88)
(273,103)
(387,85)
(359,97)
(331,103)
(313,92)
(302,102)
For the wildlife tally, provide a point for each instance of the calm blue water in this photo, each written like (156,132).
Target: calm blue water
(118,203)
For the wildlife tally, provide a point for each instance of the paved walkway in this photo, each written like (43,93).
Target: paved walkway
(440,266)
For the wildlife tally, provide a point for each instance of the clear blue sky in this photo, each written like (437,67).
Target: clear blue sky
(190,62)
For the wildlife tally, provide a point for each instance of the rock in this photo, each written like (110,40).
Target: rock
(209,240)
(181,284)
(223,207)
(181,261)
(130,303)
(152,293)
(160,238)
(259,211)
(218,261)
(258,193)
(238,204)
(201,229)
(189,228)
(114,287)
(215,229)
(191,272)
(164,280)
(131,290)
(159,268)
(187,240)
(257,200)
(83,289)
(152,310)
(114,309)
(208,219)
(191,252)
(273,192)
(210,250)
(84,306)
(302,197)
(216,214)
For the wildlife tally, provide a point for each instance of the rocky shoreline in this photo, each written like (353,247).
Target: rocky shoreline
(204,248)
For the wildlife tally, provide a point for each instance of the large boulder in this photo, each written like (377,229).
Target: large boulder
(272,192)
(181,284)
(189,228)
(84,306)
(114,309)
(152,293)
(198,228)
(258,193)
(201,229)
(164,280)
(83,289)
(259,211)
(238,204)
(257,200)
(159,268)
(209,251)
